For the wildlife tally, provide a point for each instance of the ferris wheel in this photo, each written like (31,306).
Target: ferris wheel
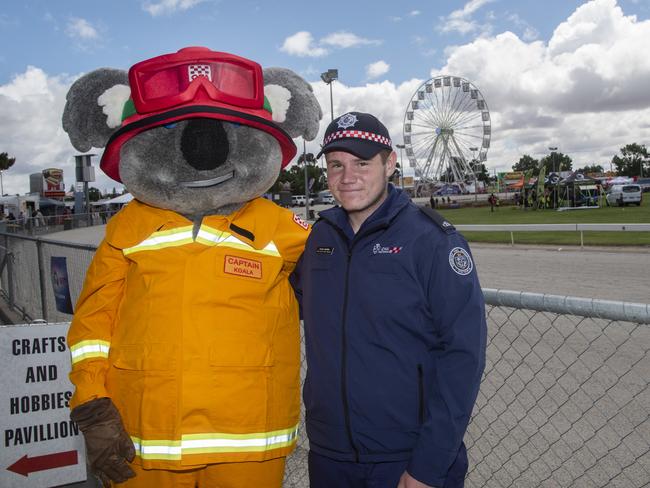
(446,132)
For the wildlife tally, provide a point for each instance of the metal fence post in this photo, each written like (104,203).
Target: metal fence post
(10,272)
(42,278)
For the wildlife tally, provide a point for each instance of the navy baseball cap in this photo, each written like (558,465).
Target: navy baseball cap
(357,133)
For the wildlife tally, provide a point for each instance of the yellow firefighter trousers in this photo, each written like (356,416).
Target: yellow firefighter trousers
(265,474)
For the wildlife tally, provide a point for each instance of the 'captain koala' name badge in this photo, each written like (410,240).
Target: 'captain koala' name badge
(239,266)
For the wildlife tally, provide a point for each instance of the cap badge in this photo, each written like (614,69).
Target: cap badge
(347,120)
(196,70)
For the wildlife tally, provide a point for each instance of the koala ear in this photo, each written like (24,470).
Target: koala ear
(93,107)
(294,105)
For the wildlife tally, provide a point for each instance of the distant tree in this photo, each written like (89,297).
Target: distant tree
(284,177)
(527,163)
(94,194)
(594,168)
(295,176)
(556,161)
(633,158)
(5,163)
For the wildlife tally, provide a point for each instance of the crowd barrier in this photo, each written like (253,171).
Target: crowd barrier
(563,401)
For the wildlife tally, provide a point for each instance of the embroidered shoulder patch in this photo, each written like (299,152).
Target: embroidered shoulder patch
(460,261)
(300,222)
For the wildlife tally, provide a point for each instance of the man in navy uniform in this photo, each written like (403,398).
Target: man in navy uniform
(395,326)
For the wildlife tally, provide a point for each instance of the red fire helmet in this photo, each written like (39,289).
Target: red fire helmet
(194,82)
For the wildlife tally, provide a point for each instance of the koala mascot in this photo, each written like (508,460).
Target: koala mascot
(185,339)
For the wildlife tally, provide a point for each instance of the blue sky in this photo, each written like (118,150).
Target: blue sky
(558,72)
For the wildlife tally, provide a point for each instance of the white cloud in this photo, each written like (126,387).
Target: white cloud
(461,21)
(30,130)
(529,32)
(346,39)
(166,7)
(302,44)
(81,29)
(414,13)
(591,76)
(377,69)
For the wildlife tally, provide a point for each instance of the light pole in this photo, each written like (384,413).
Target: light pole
(401,163)
(306,158)
(328,77)
(640,164)
(553,150)
(473,166)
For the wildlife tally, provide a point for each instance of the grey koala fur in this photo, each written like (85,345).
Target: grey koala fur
(152,163)
(83,118)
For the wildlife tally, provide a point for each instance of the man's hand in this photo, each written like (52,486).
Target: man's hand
(408,481)
(108,446)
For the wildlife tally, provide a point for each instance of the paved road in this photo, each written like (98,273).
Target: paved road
(605,273)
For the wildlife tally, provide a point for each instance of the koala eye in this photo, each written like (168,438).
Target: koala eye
(170,126)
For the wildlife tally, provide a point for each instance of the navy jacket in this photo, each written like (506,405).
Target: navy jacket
(395,337)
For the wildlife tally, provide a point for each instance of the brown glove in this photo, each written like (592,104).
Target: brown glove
(108,445)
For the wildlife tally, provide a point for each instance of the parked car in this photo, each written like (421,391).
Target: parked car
(298,200)
(624,194)
(324,197)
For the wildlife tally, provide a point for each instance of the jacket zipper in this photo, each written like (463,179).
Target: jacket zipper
(420,395)
(344,382)
(344,361)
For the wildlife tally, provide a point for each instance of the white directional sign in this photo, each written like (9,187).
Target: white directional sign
(41,446)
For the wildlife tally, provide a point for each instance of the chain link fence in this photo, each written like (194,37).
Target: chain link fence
(563,402)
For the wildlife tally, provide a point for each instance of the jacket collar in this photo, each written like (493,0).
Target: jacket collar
(245,223)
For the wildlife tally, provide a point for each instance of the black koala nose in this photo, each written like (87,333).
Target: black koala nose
(204,143)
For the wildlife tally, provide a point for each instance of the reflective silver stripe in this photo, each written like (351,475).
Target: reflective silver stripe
(206,235)
(93,348)
(214,443)
(163,239)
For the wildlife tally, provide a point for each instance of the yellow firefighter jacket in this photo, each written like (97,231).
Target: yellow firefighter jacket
(195,339)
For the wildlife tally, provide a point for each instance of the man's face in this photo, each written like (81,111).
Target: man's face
(359,185)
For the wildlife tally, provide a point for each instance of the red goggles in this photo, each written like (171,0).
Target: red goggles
(174,79)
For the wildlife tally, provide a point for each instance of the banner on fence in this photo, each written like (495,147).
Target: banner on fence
(41,447)
(61,284)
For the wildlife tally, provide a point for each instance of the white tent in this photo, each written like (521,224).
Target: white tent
(122,199)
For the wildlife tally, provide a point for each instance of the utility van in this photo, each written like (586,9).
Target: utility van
(624,194)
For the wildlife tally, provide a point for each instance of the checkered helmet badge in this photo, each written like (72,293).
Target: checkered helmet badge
(196,70)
